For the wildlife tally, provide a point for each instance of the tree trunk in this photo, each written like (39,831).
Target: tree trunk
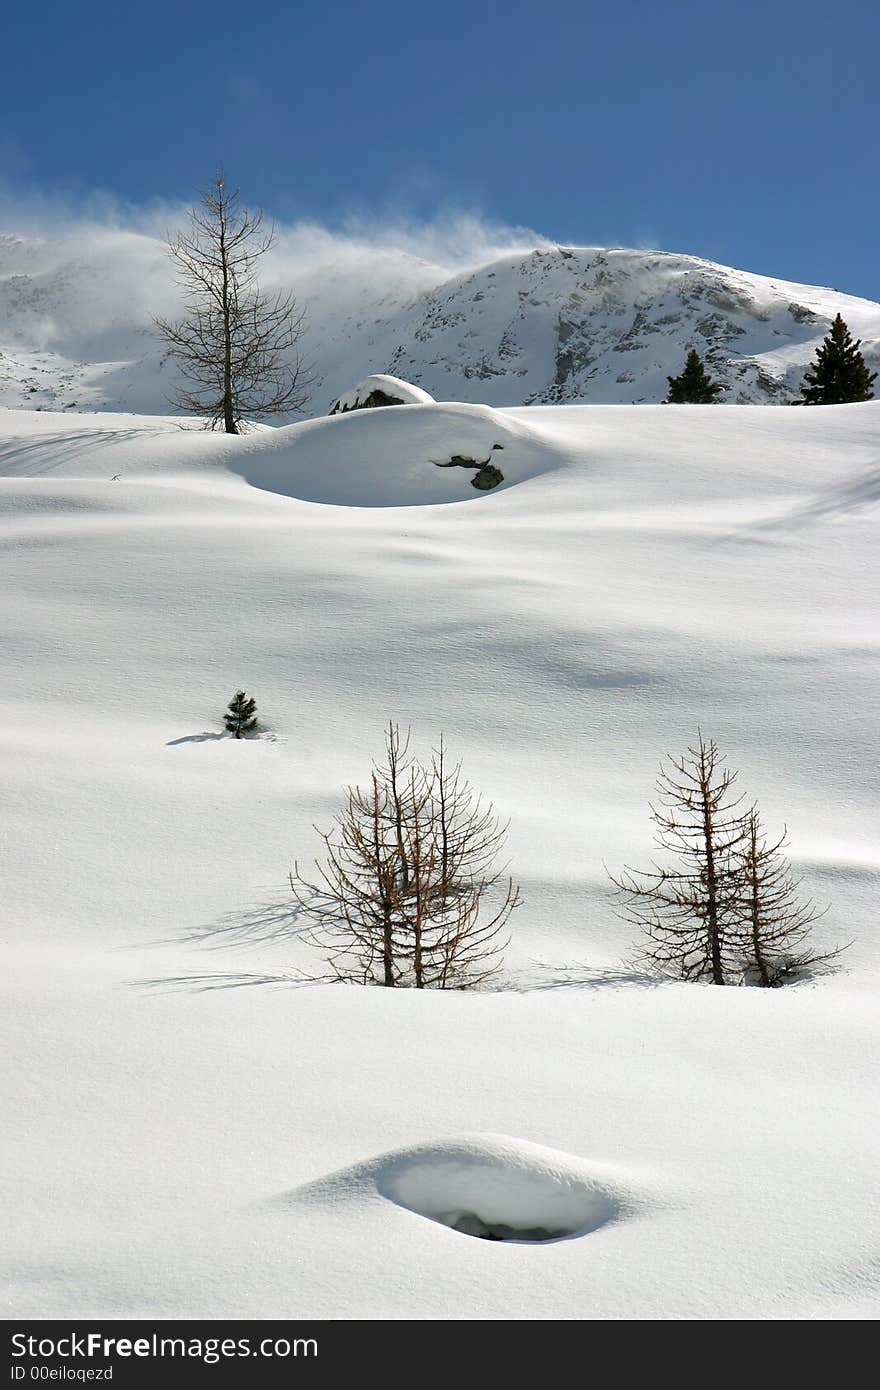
(229,424)
(388,951)
(229,421)
(714,941)
(755,906)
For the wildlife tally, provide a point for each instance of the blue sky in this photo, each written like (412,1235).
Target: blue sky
(746,133)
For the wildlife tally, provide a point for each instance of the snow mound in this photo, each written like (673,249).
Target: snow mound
(380,390)
(489,1186)
(500,1189)
(395,458)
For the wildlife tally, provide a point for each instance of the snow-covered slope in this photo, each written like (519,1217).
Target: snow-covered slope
(557,324)
(610,326)
(178,1150)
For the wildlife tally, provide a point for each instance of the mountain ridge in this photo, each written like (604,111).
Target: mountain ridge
(547,325)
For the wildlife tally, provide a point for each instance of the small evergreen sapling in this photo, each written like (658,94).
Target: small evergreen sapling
(839,375)
(241,717)
(694,386)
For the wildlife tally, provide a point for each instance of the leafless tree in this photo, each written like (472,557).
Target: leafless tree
(774,924)
(689,911)
(354,902)
(472,896)
(237,349)
(408,893)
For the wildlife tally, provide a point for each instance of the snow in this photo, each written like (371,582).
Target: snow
(554,324)
(492,1181)
(402,392)
(191,1133)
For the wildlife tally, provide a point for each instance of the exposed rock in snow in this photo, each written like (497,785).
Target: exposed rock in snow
(486,475)
(380,390)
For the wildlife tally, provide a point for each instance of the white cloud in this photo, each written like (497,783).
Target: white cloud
(98,270)
(452,240)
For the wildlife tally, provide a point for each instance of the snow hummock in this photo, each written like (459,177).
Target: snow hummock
(495,1187)
(398,391)
(643,571)
(394,457)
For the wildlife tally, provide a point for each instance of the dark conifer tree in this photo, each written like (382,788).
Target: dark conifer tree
(694,386)
(839,375)
(241,716)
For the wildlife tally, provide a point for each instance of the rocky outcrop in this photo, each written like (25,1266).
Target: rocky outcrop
(486,474)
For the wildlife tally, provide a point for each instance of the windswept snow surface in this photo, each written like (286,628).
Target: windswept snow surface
(219,1142)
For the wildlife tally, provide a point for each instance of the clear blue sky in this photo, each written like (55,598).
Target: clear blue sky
(747,133)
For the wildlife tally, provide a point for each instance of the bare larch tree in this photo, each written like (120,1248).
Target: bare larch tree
(689,911)
(236,348)
(408,893)
(472,896)
(354,903)
(773,922)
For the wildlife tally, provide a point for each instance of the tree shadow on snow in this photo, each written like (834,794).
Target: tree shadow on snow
(851,495)
(195,738)
(262,736)
(270,921)
(222,979)
(542,975)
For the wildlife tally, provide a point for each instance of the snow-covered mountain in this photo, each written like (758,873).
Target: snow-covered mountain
(551,325)
(593,325)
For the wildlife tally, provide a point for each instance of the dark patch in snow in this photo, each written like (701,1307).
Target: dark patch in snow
(371,402)
(472,1225)
(486,476)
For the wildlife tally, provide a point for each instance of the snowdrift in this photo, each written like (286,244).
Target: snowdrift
(402,456)
(492,1187)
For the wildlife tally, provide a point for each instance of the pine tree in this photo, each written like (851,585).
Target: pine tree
(241,716)
(839,375)
(773,924)
(694,386)
(688,910)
